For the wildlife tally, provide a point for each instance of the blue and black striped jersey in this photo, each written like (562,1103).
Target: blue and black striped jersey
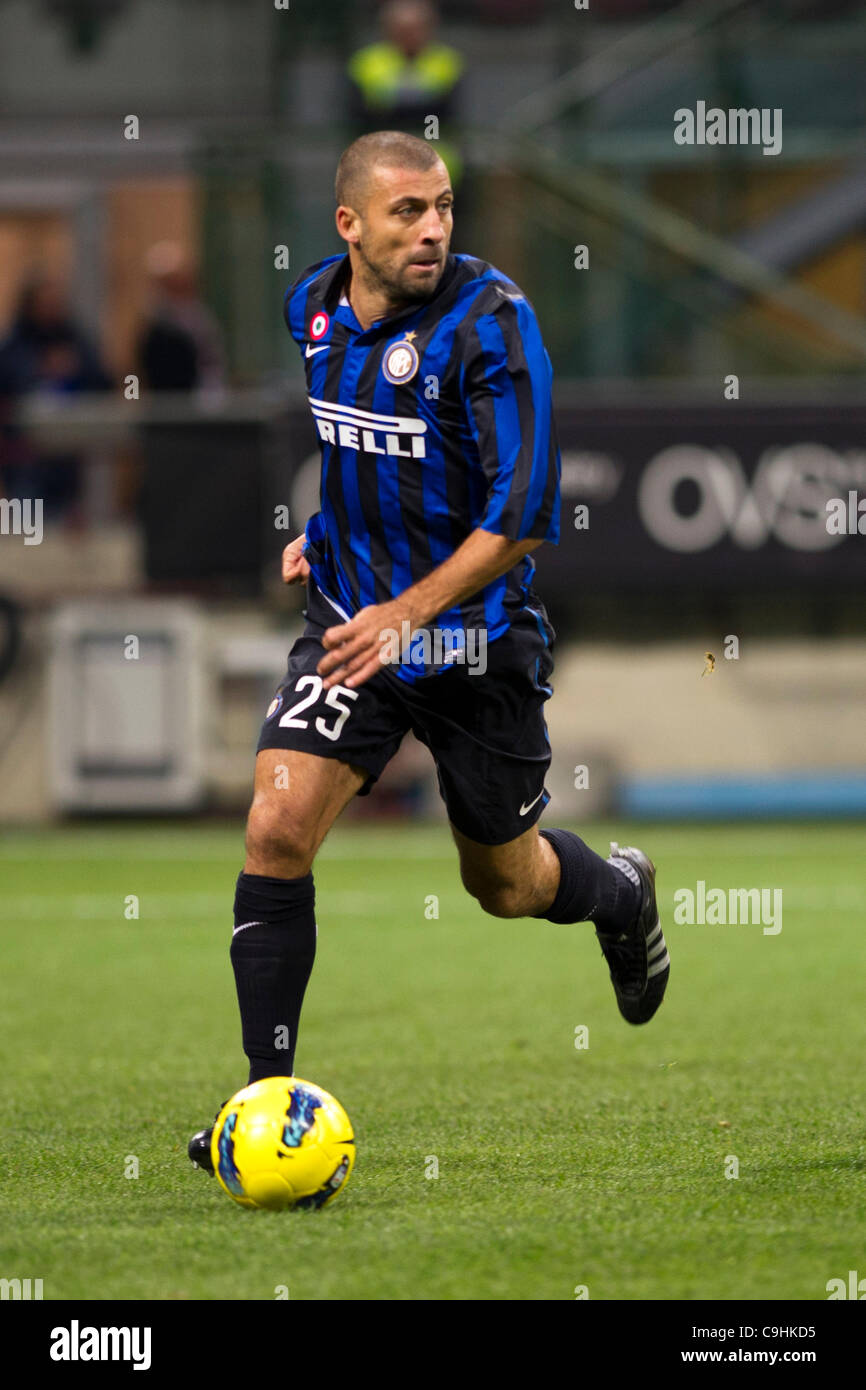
(431,423)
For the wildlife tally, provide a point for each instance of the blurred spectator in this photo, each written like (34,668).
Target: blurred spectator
(47,353)
(181,345)
(397,83)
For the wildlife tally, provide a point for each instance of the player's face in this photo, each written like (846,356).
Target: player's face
(405,231)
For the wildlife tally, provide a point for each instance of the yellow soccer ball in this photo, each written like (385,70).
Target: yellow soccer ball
(282,1142)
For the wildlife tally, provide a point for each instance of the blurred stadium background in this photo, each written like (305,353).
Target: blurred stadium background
(166,170)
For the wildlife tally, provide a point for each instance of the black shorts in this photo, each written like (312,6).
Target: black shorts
(487,732)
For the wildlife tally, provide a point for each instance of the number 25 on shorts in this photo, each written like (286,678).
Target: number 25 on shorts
(290,719)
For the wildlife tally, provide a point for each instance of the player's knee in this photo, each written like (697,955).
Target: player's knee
(279,840)
(498,897)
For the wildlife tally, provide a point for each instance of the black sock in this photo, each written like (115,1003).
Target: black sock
(272,952)
(590,889)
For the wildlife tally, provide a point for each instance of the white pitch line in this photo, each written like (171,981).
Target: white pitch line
(117,850)
(110,906)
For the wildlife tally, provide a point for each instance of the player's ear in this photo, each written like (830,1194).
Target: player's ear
(347,224)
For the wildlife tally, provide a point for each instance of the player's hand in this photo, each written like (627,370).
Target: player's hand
(295,567)
(356,650)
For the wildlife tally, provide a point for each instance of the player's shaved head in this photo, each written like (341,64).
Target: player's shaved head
(391,149)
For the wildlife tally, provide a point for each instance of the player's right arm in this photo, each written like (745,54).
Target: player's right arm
(295,568)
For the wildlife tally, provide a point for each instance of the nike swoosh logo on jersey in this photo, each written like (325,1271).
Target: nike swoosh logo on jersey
(311,351)
(524,809)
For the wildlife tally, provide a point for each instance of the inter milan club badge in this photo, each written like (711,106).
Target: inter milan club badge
(400,362)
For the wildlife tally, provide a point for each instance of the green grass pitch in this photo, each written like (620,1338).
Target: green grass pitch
(449,1037)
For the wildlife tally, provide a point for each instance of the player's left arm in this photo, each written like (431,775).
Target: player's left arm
(506,389)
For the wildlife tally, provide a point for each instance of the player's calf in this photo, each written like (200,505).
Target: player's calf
(516,879)
(503,899)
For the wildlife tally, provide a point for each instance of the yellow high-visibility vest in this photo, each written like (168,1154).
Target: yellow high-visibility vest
(381,70)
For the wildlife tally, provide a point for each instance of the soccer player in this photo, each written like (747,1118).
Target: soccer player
(431,394)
